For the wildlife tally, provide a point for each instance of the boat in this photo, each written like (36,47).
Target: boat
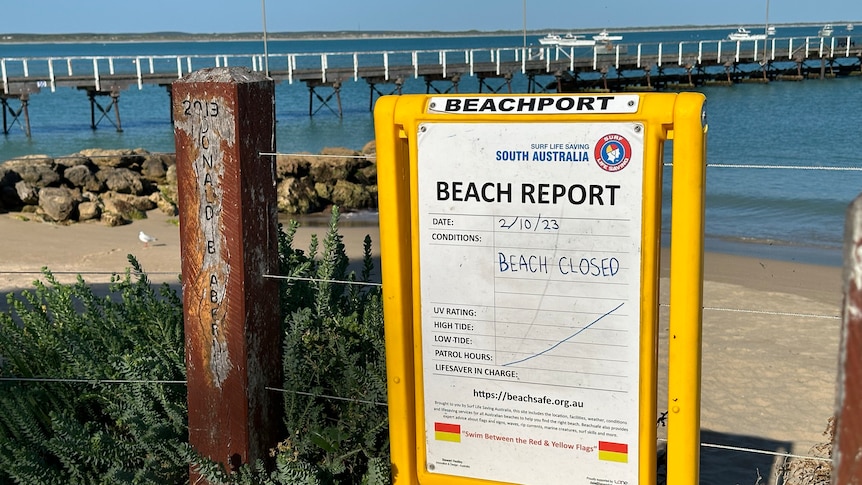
(575,41)
(744,34)
(849,27)
(826,31)
(770,30)
(550,39)
(568,40)
(604,37)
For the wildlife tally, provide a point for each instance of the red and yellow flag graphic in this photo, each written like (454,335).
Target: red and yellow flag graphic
(447,432)
(610,451)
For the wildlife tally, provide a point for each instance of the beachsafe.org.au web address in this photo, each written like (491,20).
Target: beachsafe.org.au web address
(505,396)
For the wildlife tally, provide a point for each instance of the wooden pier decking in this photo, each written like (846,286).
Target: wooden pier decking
(622,67)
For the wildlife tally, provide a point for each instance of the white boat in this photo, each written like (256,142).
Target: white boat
(744,34)
(575,41)
(849,27)
(567,40)
(826,31)
(770,30)
(550,39)
(604,37)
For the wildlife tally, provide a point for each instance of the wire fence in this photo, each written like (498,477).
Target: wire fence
(718,309)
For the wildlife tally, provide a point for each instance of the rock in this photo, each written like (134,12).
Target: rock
(171,175)
(164,204)
(118,186)
(67,162)
(113,158)
(121,180)
(113,220)
(27,194)
(169,193)
(367,175)
(292,166)
(323,190)
(37,170)
(339,165)
(8,194)
(58,203)
(117,212)
(88,211)
(338,151)
(154,168)
(83,176)
(138,202)
(348,195)
(8,177)
(297,196)
(9,197)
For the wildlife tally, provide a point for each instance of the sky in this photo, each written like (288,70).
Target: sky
(232,16)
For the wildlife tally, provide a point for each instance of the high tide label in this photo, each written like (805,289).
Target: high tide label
(529,254)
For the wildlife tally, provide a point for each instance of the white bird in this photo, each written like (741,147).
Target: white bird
(146,238)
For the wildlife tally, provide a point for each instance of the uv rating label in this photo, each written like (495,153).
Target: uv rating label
(529,246)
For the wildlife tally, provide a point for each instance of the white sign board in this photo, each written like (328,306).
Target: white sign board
(530,273)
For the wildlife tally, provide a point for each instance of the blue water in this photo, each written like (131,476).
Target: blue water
(779,213)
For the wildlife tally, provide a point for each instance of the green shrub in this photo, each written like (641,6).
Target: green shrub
(334,354)
(68,424)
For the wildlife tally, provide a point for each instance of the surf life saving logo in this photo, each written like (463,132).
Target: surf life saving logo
(613,152)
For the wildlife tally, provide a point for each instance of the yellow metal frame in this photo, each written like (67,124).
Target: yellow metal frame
(665,116)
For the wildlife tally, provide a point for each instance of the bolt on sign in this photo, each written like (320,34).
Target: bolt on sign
(520,238)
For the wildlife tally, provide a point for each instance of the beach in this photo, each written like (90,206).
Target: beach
(770,333)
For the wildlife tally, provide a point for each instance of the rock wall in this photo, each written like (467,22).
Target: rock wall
(119,186)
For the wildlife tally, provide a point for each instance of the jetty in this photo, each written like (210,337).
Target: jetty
(548,68)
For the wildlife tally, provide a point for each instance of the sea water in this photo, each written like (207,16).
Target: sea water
(786,213)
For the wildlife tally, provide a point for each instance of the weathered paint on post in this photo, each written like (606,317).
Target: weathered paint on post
(224,119)
(847,449)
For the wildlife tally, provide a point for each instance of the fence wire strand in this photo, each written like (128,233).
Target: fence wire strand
(757,451)
(322,280)
(368,402)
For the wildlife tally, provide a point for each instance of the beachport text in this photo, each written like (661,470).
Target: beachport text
(506,396)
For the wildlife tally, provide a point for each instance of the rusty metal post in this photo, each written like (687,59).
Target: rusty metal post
(847,449)
(224,119)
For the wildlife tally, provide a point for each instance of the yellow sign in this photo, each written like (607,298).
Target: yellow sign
(520,243)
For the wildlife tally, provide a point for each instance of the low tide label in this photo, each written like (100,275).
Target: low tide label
(529,269)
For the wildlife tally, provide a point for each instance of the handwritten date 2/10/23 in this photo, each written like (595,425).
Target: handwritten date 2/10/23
(535,224)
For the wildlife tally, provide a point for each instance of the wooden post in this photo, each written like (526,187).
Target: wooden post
(224,119)
(847,449)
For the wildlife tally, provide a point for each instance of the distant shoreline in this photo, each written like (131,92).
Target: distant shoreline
(21,38)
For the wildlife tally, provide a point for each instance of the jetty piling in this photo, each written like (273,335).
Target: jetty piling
(113,105)
(21,92)
(23,99)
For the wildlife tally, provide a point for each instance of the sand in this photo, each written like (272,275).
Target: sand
(770,339)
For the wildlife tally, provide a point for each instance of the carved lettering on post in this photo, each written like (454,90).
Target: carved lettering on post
(210,124)
(224,120)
